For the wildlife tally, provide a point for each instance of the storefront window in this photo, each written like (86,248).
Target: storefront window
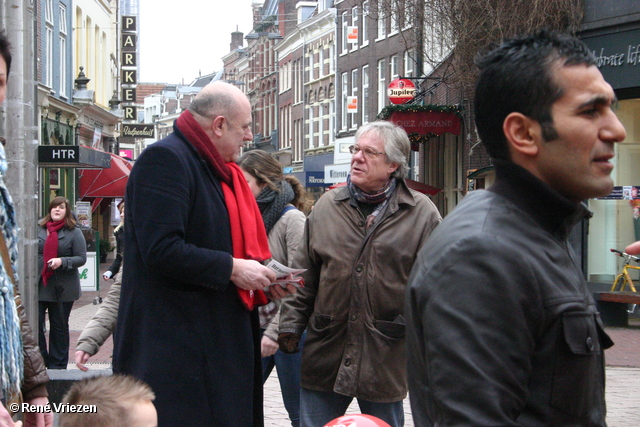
(613,224)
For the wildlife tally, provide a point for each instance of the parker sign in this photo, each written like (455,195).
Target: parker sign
(401,91)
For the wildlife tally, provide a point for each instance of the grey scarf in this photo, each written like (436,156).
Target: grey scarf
(271,203)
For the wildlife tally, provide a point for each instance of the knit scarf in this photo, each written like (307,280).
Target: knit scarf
(11,358)
(272,203)
(50,248)
(381,198)
(248,235)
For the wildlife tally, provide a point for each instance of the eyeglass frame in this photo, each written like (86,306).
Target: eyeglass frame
(367,152)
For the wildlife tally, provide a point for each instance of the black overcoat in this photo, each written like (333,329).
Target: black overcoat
(181,326)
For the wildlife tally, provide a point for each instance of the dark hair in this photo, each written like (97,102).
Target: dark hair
(5,50)
(266,169)
(517,76)
(68,216)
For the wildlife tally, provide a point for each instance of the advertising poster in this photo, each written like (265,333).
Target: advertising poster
(83,213)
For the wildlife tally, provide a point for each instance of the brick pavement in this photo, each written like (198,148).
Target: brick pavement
(623,369)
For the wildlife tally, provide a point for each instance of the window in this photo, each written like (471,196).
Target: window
(354,92)
(354,22)
(406,17)
(321,62)
(63,49)
(332,58)
(393,67)
(345,24)
(311,64)
(311,119)
(49,43)
(394,20)
(365,16)
(332,120)
(408,64)
(382,25)
(297,77)
(345,90)
(49,12)
(365,94)
(382,84)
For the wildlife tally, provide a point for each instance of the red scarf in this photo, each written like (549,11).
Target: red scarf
(248,234)
(50,248)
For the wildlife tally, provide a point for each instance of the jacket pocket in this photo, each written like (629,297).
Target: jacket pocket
(578,371)
(321,321)
(395,329)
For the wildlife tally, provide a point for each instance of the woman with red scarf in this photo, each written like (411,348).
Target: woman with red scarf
(61,251)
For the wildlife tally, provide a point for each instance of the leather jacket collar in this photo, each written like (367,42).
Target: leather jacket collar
(554,212)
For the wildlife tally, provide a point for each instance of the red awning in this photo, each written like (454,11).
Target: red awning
(418,186)
(105,183)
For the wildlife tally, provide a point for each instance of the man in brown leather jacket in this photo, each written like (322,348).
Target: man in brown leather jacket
(358,248)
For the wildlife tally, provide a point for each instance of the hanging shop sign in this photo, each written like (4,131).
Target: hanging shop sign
(427,122)
(400,91)
(137,130)
(72,156)
(422,122)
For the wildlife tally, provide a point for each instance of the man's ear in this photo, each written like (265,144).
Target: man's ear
(523,134)
(218,125)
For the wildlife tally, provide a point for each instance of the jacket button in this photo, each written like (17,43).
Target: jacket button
(354,317)
(589,344)
(361,224)
(359,269)
(347,362)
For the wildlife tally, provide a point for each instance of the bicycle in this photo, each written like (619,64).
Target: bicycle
(623,278)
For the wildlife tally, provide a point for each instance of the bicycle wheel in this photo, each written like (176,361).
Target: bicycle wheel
(619,282)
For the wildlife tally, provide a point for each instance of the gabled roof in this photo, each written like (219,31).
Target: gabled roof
(202,81)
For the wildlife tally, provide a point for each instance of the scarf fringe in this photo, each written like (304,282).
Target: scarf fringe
(11,356)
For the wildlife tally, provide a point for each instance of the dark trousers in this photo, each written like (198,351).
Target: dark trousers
(288,368)
(57,355)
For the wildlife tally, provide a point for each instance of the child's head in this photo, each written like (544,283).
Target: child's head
(120,400)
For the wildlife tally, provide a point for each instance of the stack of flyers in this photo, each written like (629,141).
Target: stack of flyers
(285,275)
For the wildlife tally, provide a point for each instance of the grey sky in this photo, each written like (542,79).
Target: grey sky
(179,39)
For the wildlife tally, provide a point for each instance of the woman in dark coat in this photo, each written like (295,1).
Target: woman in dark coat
(61,251)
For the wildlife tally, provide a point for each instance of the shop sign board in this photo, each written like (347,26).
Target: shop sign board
(88,277)
(137,130)
(400,91)
(618,57)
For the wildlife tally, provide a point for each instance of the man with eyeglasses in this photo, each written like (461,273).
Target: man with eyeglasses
(359,245)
